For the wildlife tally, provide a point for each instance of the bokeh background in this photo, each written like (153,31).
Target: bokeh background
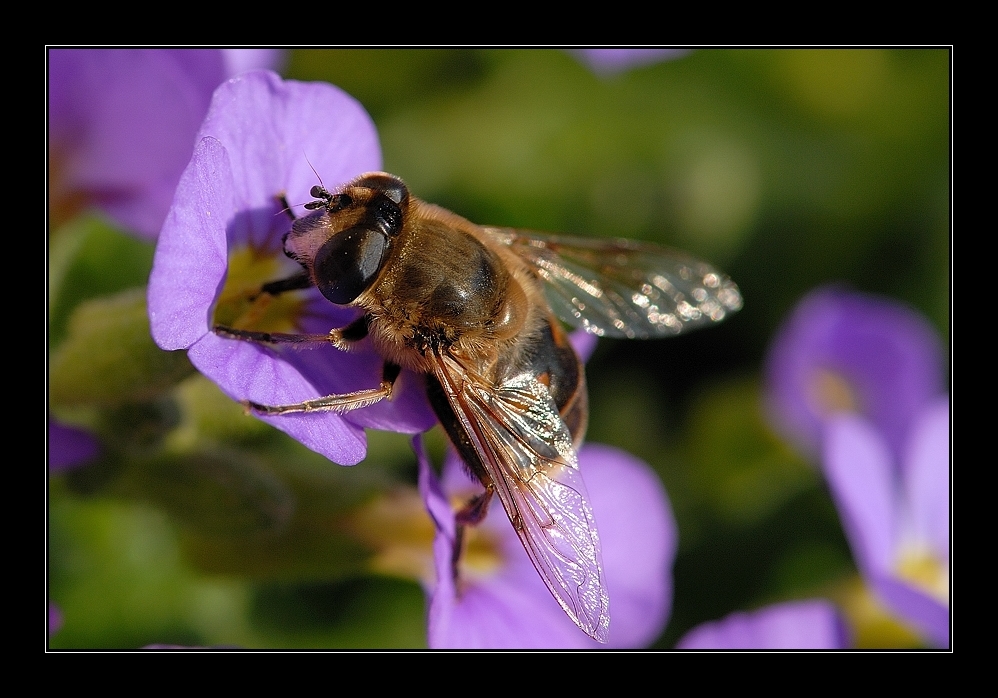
(789,169)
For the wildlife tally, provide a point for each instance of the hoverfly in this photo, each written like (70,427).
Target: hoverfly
(476,310)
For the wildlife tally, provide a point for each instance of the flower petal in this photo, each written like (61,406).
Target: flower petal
(248,371)
(812,624)
(842,350)
(639,538)
(191,254)
(277,131)
(261,138)
(510,607)
(927,476)
(122,123)
(930,615)
(432,492)
(860,473)
(69,447)
(610,61)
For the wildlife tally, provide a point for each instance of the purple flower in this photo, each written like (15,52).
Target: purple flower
(499,600)
(243,60)
(897,518)
(55,618)
(814,624)
(610,61)
(842,351)
(223,238)
(122,126)
(69,447)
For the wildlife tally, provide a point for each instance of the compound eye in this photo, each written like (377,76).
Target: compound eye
(347,264)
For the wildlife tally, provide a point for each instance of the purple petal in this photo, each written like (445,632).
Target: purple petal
(191,255)
(274,129)
(610,61)
(927,473)
(261,138)
(511,607)
(122,126)
(841,350)
(928,614)
(639,539)
(432,492)
(243,60)
(55,618)
(247,371)
(508,609)
(70,447)
(796,625)
(511,613)
(860,474)
(408,411)
(583,343)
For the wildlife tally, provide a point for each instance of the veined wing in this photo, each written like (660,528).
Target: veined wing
(622,288)
(526,449)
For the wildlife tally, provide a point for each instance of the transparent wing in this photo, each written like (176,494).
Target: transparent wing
(527,451)
(622,288)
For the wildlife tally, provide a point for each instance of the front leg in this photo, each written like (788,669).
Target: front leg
(342,338)
(346,402)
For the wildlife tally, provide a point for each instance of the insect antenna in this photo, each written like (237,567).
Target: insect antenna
(282,199)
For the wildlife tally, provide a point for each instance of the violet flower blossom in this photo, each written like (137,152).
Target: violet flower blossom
(813,624)
(859,378)
(611,61)
(122,124)
(842,351)
(55,618)
(69,447)
(500,601)
(223,238)
(897,519)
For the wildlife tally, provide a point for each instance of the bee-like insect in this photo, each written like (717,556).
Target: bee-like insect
(476,310)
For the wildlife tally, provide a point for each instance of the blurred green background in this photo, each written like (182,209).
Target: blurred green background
(786,168)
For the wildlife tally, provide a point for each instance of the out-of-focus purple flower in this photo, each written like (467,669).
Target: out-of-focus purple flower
(70,447)
(223,238)
(121,128)
(243,60)
(842,351)
(610,61)
(814,624)
(897,518)
(122,124)
(583,343)
(55,618)
(499,600)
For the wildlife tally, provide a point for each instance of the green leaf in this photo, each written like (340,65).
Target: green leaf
(109,357)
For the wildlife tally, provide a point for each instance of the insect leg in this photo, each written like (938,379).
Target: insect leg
(293,283)
(271,337)
(473,513)
(341,338)
(345,402)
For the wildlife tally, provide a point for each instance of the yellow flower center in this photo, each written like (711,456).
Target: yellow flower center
(482,556)
(396,526)
(243,306)
(401,533)
(872,625)
(922,569)
(830,392)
